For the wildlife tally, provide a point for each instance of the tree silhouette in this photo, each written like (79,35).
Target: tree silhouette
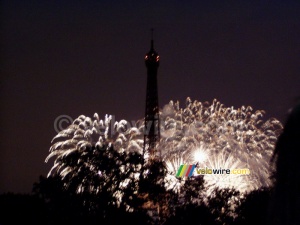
(62,206)
(117,197)
(253,208)
(152,189)
(285,204)
(21,209)
(189,204)
(222,204)
(104,178)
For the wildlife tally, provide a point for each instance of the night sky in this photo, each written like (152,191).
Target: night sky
(81,57)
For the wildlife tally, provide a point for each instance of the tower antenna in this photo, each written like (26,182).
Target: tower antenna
(152,30)
(152,45)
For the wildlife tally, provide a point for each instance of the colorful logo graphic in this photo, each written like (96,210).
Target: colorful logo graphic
(185,171)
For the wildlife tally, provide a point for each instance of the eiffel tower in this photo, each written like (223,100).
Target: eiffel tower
(152,132)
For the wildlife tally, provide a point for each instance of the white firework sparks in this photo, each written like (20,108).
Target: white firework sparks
(214,136)
(77,150)
(210,135)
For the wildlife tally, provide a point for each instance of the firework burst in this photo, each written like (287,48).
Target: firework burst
(205,134)
(214,136)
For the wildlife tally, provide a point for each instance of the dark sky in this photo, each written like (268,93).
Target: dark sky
(81,57)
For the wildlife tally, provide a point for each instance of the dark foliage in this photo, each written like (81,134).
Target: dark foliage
(16,209)
(191,214)
(145,201)
(222,203)
(253,208)
(285,201)
(189,205)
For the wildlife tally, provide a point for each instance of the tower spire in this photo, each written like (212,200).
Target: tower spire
(152,42)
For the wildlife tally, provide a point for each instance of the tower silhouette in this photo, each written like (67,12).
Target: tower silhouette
(152,132)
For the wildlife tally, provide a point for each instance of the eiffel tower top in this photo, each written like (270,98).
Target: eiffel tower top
(152,57)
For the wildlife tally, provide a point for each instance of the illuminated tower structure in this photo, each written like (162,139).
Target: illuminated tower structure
(152,132)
